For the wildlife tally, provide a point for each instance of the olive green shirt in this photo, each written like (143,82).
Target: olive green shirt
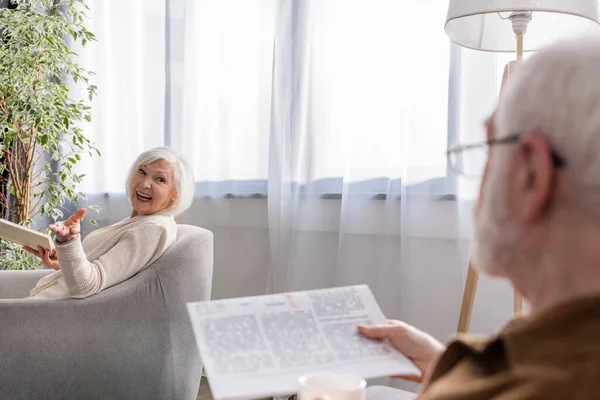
(553,355)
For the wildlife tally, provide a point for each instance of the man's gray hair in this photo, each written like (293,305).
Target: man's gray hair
(183,175)
(556,93)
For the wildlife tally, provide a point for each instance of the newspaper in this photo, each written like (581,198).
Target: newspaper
(259,346)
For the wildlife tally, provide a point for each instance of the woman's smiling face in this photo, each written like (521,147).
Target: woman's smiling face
(152,188)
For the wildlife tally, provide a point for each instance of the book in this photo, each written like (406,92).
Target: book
(24,236)
(256,347)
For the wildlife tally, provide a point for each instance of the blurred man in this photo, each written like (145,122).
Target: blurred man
(537,224)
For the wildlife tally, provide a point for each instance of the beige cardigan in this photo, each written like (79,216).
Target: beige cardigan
(107,256)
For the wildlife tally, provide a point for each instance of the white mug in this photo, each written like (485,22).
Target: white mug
(330,386)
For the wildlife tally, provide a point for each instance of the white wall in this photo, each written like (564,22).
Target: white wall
(429,280)
(436,267)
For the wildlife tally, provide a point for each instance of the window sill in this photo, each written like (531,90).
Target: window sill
(339,196)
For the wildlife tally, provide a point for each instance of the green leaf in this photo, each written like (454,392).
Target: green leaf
(34,39)
(93,222)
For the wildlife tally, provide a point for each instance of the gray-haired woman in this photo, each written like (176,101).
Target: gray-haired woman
(160,186)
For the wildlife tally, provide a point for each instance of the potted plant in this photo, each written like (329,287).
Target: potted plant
(41,139)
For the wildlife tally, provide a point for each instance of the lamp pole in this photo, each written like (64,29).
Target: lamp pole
(520,20)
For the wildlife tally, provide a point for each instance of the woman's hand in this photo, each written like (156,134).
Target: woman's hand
(68,229)
(49,257)
(421,348)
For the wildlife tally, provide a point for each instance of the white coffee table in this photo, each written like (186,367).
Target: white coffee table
(387,393)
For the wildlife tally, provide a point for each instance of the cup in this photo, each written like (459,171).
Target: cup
(330,386)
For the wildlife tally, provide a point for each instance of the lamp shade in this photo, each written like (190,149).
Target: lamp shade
(488,24)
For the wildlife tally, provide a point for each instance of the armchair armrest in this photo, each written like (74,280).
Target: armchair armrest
(17,284)
(106,346)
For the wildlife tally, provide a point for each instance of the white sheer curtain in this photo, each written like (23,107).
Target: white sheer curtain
(226,94)
(361,116)
(317,132)
(129,60)
(341,108)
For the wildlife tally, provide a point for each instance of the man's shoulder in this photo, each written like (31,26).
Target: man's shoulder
(481,372)
(521,362)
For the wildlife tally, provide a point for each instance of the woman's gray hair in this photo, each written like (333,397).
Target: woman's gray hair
(184,177)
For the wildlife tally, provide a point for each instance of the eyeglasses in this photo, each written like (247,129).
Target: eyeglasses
(469,160)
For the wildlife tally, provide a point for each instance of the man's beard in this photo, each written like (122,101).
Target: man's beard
(495,236)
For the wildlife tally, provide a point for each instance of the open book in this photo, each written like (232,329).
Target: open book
(24,236)
(259,346)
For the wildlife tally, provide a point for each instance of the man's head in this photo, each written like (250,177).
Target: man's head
(531,208)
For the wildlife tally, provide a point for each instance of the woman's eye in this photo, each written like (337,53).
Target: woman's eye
(161,180)
(141,171)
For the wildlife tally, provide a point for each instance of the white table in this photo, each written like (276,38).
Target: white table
(387,393)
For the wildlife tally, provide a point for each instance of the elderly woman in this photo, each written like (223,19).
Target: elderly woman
(159,187)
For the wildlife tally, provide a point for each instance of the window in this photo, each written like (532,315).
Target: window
(377,104)
(381,103)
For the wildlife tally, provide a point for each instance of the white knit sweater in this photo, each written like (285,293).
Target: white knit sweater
(107,256)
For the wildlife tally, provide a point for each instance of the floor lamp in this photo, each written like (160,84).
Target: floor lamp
(514,26)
